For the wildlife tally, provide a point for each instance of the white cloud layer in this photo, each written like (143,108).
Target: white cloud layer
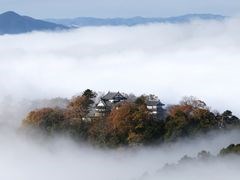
(200,59)
(27,158)
(170,60)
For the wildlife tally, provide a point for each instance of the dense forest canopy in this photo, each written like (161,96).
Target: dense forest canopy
(130,122)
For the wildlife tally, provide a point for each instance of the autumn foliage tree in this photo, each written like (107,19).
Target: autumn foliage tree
(130,123)
(47,119)
(69,120)
(80,106)
(190,117)
(98,132)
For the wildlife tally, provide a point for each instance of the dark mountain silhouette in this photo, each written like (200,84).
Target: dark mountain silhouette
(13,23)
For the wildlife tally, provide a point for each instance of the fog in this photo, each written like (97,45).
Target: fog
(31,157)
(169,60)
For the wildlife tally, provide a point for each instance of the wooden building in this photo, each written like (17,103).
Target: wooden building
(107,102)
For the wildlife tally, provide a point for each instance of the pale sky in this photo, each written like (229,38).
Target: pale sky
(118,8)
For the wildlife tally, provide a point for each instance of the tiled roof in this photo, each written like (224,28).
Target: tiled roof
(154,103)
(112,95)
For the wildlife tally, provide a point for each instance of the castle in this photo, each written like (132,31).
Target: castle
(112,99)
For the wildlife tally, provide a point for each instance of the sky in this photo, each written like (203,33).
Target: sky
(118,8)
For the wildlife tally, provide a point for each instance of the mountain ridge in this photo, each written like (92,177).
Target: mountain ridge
(13,23)
(138,20)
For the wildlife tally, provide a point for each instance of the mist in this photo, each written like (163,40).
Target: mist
(34,157)
(170,60)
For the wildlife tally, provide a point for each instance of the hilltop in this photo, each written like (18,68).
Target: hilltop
(13,23)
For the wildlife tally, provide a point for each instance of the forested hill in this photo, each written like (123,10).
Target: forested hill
(131,121)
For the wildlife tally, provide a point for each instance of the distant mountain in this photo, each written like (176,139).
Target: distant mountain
(13,23)
(89,21)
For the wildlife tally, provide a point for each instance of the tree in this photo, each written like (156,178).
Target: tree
(89,94)
(131,124)
(98,132)
(77,108)
(204,155)
(190,117)
(193,102)
(231,149)
(229,119)
(80,106)
(47,119)
(76,128)
(141,101)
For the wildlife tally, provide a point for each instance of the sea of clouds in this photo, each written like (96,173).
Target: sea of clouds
(170,60)
(25,157)
(200,58)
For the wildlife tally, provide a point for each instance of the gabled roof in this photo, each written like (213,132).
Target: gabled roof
(101,102)
(105,103)
(113,95)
